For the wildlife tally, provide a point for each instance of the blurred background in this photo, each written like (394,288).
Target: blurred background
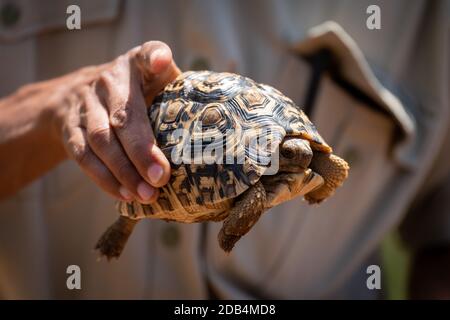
(373,76)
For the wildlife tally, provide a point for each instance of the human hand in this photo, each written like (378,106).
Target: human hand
(103,123)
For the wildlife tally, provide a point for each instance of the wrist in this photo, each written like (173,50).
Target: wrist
(51,126)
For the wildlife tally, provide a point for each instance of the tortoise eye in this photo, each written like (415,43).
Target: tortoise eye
(288,153)
(211,116)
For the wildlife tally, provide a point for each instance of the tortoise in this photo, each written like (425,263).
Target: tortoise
(236,148)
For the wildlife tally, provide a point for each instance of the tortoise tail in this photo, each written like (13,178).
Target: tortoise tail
(114,239)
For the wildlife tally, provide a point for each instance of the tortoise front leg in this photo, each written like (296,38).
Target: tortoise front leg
(244,214)
(286,186)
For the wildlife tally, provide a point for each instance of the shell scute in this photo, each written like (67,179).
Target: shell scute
(220,111)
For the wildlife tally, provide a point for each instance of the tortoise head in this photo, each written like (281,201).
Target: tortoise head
(295,154)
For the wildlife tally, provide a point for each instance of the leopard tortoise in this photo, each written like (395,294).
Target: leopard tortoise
(240,177)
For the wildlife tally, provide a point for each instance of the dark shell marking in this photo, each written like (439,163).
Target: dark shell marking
(222,101)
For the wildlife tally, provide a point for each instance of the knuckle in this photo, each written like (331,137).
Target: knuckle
(126,173)
(114,70)
(102,174)
(139,148)
(79,152)
(120,61)
(99,136)
(120,117)
(133,50)
(108,78)
(84,91)
(105,80)
(88,69)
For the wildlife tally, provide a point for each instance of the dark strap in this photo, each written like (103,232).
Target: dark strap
(204,261)
(320,62)
(324,61)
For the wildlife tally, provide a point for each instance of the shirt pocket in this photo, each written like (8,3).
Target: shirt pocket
(21,19)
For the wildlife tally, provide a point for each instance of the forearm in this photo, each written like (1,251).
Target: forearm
(96,116)
(31,122)
(29,145)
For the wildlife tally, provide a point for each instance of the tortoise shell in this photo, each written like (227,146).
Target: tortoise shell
(220,132)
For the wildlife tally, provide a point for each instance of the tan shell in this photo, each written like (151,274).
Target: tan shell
(221,101)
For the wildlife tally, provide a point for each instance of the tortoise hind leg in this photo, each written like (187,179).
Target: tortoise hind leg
(114,239)
(244,214)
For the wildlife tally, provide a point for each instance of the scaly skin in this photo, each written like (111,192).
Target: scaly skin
(334,171)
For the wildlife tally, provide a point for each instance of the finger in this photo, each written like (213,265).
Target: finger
(155,63)
(105,145)
(128,118)
(78,149)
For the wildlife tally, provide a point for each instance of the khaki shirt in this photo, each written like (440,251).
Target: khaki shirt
(396,140)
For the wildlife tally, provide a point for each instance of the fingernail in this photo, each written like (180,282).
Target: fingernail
(155,55)
(145,191)
(125,193)
(159,60)
(155,173)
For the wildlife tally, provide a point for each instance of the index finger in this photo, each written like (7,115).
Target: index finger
(128,115)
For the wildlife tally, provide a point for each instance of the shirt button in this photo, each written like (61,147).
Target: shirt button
(9,14)
(170,236)
(200,63)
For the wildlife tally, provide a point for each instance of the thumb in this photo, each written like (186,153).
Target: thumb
(156,66)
